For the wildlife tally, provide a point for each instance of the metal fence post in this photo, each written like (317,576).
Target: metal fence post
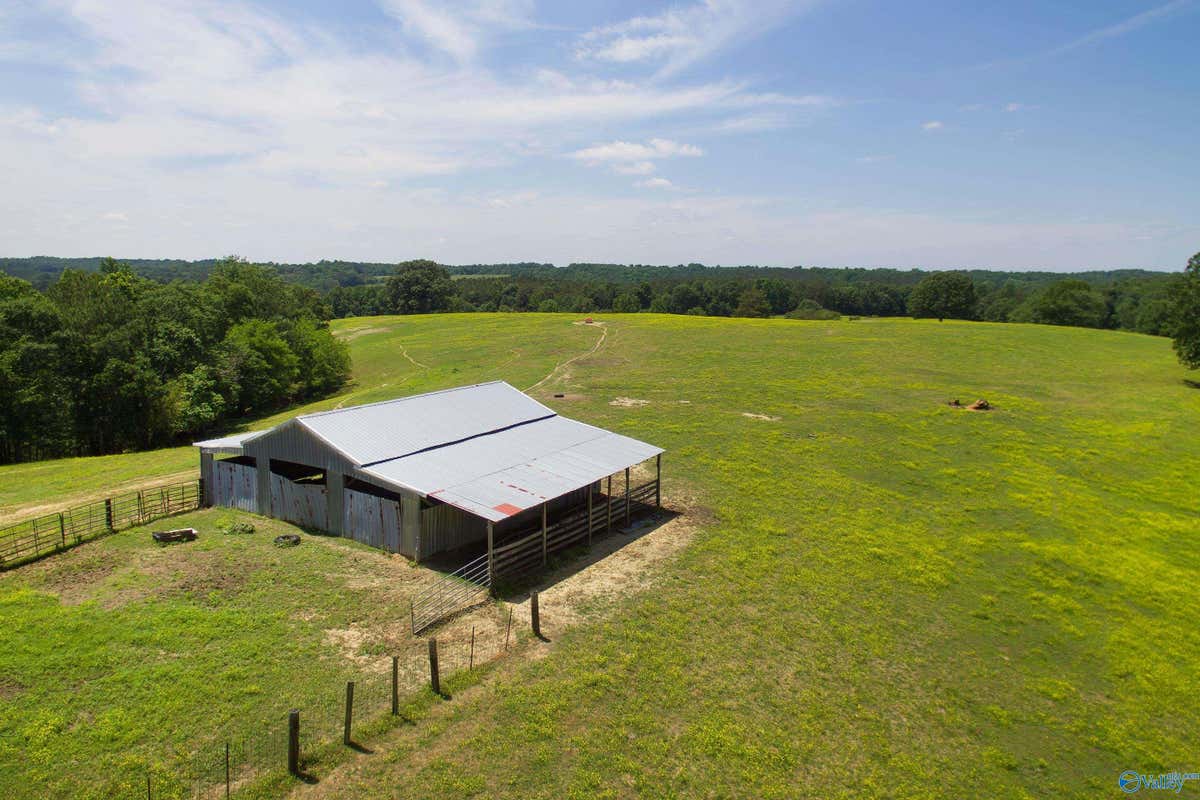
(471,662)
(227,771)
(62,530)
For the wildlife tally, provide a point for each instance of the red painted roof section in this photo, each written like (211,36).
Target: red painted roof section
(507,508)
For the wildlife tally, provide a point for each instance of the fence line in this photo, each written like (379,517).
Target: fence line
(230,762)
(33,538)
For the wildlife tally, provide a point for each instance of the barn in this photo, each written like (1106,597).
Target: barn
(481,471)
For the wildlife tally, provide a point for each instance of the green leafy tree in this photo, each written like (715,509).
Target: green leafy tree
(1069,302)
(419,287)
(626,303)
(259,365)
(1185,314)
(943,295)
(752,303)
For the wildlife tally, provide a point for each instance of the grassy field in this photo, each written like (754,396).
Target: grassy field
(892,597)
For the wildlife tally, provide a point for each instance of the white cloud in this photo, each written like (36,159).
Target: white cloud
(1011,107)
(655,183)
(933,125)
(682,35)
(636,151)
(115,216)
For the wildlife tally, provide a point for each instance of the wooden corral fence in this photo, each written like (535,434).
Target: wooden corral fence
(33,538)
(530,552)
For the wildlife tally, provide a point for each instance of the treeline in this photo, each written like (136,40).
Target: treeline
(1136,301)
(106,361)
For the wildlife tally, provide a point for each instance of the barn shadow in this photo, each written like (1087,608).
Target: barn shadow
(566,563)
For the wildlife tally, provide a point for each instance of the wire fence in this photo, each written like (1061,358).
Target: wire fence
(34,538)
(381,687)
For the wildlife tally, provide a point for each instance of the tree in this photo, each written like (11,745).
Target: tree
(626,303)
(944,295)
(1185,314)
(753,303)
(259,365)
(1069,302)
(419,287)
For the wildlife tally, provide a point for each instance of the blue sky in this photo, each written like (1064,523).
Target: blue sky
(1048,135)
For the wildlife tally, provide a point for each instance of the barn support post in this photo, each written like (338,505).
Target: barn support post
(491,561)
(608,506)
(589,515)
(658,480)
(544,540)
(627,497)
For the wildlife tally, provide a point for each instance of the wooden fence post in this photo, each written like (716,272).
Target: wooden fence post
(507,630)
(108,517)
(395,685)
(433,667)
(227,771)
(294,741)
(534,616)
(62,531)
(349,712)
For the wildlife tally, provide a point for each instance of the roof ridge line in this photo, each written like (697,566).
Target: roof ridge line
(440,445)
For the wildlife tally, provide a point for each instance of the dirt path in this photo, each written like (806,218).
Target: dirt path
(14,514)
(559,372)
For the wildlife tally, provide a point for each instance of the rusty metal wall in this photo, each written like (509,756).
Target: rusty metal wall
(372,520)
(234,485)
(302,503)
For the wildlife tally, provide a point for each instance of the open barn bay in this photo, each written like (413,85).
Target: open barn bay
(880,593)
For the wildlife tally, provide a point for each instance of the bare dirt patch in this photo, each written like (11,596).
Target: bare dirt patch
(763,417)
(351,335)
(978,405)
(628,402)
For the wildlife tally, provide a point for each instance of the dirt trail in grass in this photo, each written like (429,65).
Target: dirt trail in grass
(14,514)
(561,372)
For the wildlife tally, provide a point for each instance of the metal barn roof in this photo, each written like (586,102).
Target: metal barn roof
(488,449)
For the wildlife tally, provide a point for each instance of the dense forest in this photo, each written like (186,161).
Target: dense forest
(106,361)
(100,356)
(1121,299)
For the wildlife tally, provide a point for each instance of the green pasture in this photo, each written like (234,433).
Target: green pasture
(886,596)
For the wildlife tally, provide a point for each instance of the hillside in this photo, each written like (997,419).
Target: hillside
(885,596)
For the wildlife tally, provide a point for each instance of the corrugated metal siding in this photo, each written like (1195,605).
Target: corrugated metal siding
(235,486)
(395,428)
(372,520)
(291,442)
(445,527)
(301,503)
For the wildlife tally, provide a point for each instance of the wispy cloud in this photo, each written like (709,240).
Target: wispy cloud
(636,152)
(460,28)
(683,35)
(933,125)
(1098,35)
